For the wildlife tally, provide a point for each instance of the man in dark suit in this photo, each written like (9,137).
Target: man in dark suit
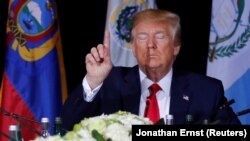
(155,44)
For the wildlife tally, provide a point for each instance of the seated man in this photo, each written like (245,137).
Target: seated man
(156,42)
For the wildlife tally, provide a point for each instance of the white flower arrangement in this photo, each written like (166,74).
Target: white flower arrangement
(113,127)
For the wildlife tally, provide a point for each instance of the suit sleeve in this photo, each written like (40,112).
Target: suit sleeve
(76,108)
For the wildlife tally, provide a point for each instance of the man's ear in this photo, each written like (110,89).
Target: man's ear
(132,47)
(177,50)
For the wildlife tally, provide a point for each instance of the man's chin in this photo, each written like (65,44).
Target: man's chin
(153,65)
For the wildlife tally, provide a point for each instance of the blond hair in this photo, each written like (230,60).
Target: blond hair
(160,15)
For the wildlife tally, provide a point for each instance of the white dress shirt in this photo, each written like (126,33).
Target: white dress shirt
(89,94)
(163,95)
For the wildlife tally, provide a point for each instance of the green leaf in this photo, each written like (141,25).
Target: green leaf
(97,135)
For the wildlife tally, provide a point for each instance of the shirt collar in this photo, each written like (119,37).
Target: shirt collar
(164,83)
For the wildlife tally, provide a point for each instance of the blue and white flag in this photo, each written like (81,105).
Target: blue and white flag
(118,22)
(229,51)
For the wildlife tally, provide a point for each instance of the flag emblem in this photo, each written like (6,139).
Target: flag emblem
(121,22)
(32,31)
(229,31)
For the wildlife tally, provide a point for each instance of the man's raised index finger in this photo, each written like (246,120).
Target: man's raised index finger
(106,39)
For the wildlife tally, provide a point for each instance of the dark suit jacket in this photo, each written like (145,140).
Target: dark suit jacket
(191,93)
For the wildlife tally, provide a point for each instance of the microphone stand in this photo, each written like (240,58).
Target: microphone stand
(228,103)
(243,112)
(20,119)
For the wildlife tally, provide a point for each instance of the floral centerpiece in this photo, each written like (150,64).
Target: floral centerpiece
(113,127)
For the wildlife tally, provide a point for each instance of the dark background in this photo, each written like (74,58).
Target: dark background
(82,27)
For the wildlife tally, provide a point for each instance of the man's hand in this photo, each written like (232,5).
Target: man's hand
(98,62)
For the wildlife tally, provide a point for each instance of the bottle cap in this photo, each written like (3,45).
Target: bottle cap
(45,119)
(169,116)
(13,128)
(58,120)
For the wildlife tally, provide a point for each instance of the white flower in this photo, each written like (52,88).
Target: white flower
(118,132)
(115,127)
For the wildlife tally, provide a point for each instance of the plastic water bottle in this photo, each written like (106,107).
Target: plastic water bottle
(45,127)
(205,122)
(169,119)
(189,119)
(58,126)
(15,133)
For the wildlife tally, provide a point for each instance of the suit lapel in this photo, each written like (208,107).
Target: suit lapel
(131,92)
(180,98)
(180,95)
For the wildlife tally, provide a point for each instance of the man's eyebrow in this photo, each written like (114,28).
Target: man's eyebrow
(163,32)
(141,33)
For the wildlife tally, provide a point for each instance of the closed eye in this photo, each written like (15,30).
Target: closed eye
(160,36)
(142,37)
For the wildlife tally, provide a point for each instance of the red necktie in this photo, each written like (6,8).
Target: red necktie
(152,109)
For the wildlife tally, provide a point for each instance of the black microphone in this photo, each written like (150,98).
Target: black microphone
(228,103)
(160,122)
(20,119)
(243,112)
(146,107)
